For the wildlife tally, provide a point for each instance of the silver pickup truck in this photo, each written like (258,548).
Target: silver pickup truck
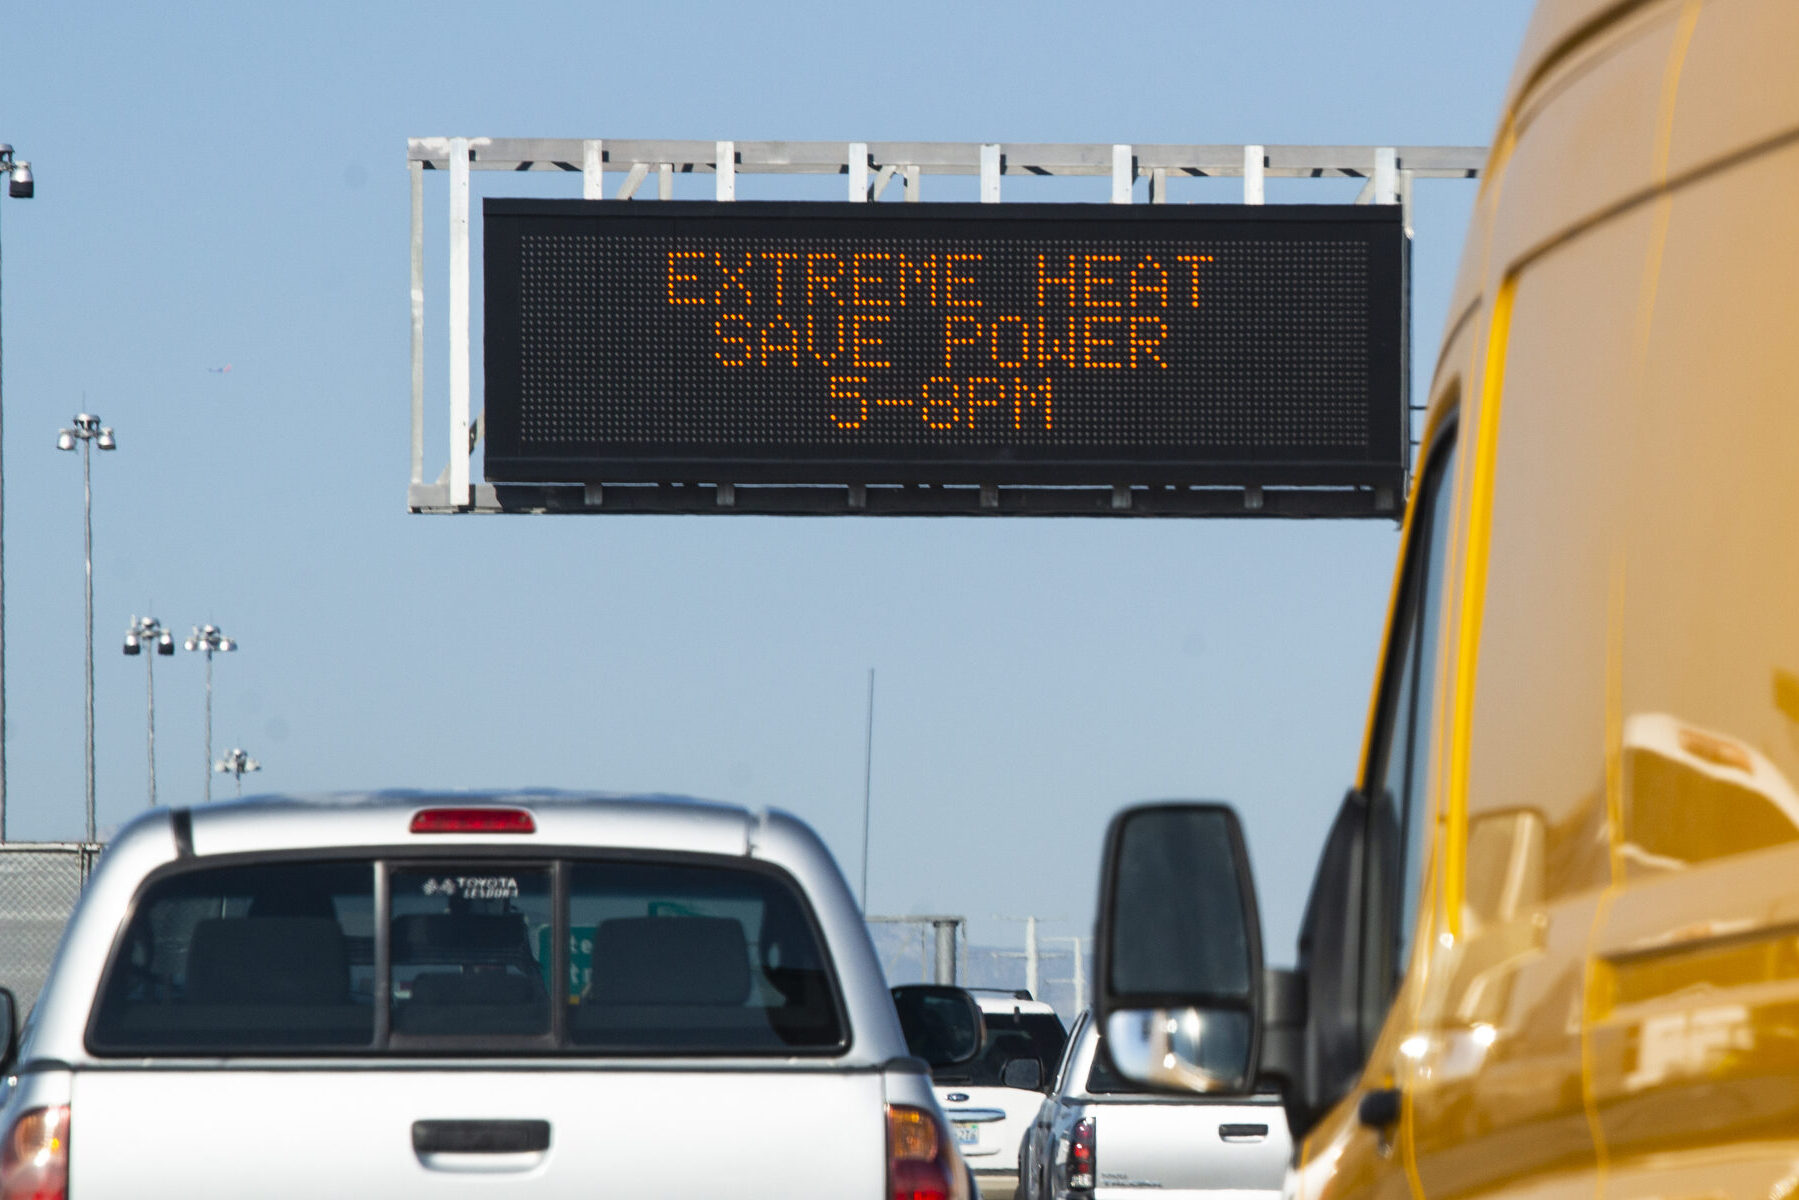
(1099,1137)
(533,995)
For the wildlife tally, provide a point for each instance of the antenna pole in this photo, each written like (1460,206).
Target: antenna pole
(868,767)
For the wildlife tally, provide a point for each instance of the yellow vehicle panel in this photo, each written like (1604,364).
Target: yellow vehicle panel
(1603,994)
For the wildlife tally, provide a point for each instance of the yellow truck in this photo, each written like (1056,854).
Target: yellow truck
(1552,949)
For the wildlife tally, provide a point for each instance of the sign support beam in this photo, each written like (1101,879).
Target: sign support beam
(417,171)
(1390,174)
(593,170)
(1255,166)
(460,362)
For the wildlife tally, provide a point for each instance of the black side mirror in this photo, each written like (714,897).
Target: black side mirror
(943,1025)
(1026,1073)
(1179,949)
(9,1030)
(1337,1031)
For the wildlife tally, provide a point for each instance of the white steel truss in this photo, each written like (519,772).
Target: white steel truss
(869,169)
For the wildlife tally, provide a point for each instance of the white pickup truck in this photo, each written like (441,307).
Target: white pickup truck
(531,995)
(1099,1137)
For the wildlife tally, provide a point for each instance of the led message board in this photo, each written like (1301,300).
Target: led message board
(1025,344)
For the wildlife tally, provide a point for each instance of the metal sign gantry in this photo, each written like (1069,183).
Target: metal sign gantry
(869,170)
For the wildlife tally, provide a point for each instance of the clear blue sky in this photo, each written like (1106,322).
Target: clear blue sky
(226,183)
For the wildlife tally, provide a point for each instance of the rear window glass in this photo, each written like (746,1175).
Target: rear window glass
(694,959)
(255,957)
(1102,1080)
(1010,1036)
(583,957)
(468,951)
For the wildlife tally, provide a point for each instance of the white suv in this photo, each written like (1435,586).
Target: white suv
(992,1101)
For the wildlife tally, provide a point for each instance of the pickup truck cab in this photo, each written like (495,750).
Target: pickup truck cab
(1102,1136)
(415,995)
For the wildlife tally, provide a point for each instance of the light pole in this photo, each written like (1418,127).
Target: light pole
(236,762)
(142,633)
(21,186)
(208,639)
(868,775)
(88,433)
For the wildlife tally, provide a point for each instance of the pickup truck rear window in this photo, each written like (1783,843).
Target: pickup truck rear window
(478,956)
(694,959)
(1102,1080)
(275,956)
(467,946)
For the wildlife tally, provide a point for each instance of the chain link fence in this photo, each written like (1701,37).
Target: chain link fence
(39,884)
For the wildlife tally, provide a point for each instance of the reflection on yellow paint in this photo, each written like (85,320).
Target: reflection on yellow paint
(1786,693)
(1692,1043)
(1692,795)
(1448,1056)
(1505,866)
(1742,960)
(1504,923)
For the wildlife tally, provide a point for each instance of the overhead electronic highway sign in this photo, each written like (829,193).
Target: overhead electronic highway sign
(1022,348)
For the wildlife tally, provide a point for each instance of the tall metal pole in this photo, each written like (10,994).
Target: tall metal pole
(90,434)
(1032,975)
(868,770)
(150,715)
(209,639)
(1080,975)
(146,636)
(87,524)
(944,971)
(2,605)
(19,186)
(209,724)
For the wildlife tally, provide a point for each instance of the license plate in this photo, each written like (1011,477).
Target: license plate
(967,1133)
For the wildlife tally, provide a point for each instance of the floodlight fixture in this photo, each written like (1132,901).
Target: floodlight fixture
(236,763)
(23,185)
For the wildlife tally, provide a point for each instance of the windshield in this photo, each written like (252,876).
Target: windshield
(476,956)
(1010,1036)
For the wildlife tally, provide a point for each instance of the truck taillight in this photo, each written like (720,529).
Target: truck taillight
(472,820)
(921,1164)
(34,1159)
(1082,1155)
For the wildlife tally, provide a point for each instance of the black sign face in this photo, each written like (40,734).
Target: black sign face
(1024,344)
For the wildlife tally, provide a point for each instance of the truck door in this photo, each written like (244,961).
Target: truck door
(1363,912)
(1696,967)
(1498,1103)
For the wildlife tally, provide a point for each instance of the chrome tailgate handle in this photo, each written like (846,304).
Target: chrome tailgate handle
(480,1137)
(1243,1133)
